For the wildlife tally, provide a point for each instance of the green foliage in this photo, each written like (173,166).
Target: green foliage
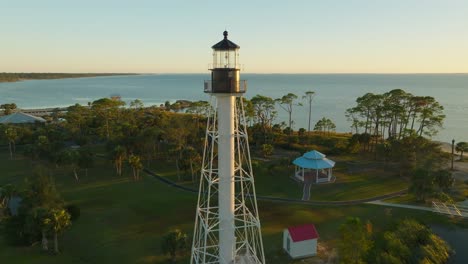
(175,242)
(309,96)
(267,150)
(8,108)
(301,131)
(431,184)
(355,241)
(325,125)
(39,197)
(13,77)
(135,163)
(422,184)
(11,135)
(396,114)
(461,147)
(287,102)
(58,220)
(85,159)
(417,152)
(202,108)
(444,179)
(412,242)
(40,191)
(265,113)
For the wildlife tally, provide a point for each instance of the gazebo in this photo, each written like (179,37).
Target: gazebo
(20,118)
(313,167)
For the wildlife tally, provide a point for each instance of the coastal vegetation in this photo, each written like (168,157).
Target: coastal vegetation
(407,242)
(20,76)
(96,155)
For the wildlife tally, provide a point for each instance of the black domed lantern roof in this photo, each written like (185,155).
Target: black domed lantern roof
(225,44)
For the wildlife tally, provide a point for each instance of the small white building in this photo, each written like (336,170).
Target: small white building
(300,241)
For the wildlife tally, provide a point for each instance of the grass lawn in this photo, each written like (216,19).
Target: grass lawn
(123,221)
(274,180)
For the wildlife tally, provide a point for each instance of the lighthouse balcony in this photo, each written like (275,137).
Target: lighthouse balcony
(225,86)
(212,66)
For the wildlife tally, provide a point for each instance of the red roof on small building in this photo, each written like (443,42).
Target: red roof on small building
(303,232)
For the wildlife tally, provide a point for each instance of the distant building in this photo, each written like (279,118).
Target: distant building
(300,241)
(116,97)
(20,118)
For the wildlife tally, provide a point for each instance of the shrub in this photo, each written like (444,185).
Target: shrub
(13,231)
(267,150)
(293,139)
(287,131)
(301,131)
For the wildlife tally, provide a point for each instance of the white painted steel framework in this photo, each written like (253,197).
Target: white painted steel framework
(227,226)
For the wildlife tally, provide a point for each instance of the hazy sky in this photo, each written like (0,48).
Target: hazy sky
(281,36)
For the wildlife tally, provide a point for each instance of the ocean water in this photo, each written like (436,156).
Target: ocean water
(334,93)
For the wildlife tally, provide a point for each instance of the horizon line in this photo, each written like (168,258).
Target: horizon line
(298,73)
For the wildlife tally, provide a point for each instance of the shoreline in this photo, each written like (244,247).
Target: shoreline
(19,77)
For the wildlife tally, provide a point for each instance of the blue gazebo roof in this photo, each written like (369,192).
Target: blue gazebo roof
(314,160)
(314,155)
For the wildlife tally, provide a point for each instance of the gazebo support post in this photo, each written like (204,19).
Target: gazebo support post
(316,176)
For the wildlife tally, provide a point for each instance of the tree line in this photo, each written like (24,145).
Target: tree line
(396,114)
(18,76)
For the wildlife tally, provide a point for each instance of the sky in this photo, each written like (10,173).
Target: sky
(174,36)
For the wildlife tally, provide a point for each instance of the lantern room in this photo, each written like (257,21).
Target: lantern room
(225,69)
(225,54)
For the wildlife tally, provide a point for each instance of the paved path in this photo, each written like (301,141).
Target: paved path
(306,192)
(415,207)
(285,200)
(448,209)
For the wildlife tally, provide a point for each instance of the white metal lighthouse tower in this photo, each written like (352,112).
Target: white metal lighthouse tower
(227,227)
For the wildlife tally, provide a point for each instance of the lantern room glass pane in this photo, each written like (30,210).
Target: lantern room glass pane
(225,59)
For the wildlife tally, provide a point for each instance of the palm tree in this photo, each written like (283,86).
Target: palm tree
(174,242)
(40,215)
(135,163)
(118,156)
(287,102)
(11,135)
(461,147)
(58,220)
(309,96)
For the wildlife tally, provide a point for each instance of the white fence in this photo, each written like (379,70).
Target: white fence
(450,209)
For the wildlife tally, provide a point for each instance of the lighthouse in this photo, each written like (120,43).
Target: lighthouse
(227,226)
